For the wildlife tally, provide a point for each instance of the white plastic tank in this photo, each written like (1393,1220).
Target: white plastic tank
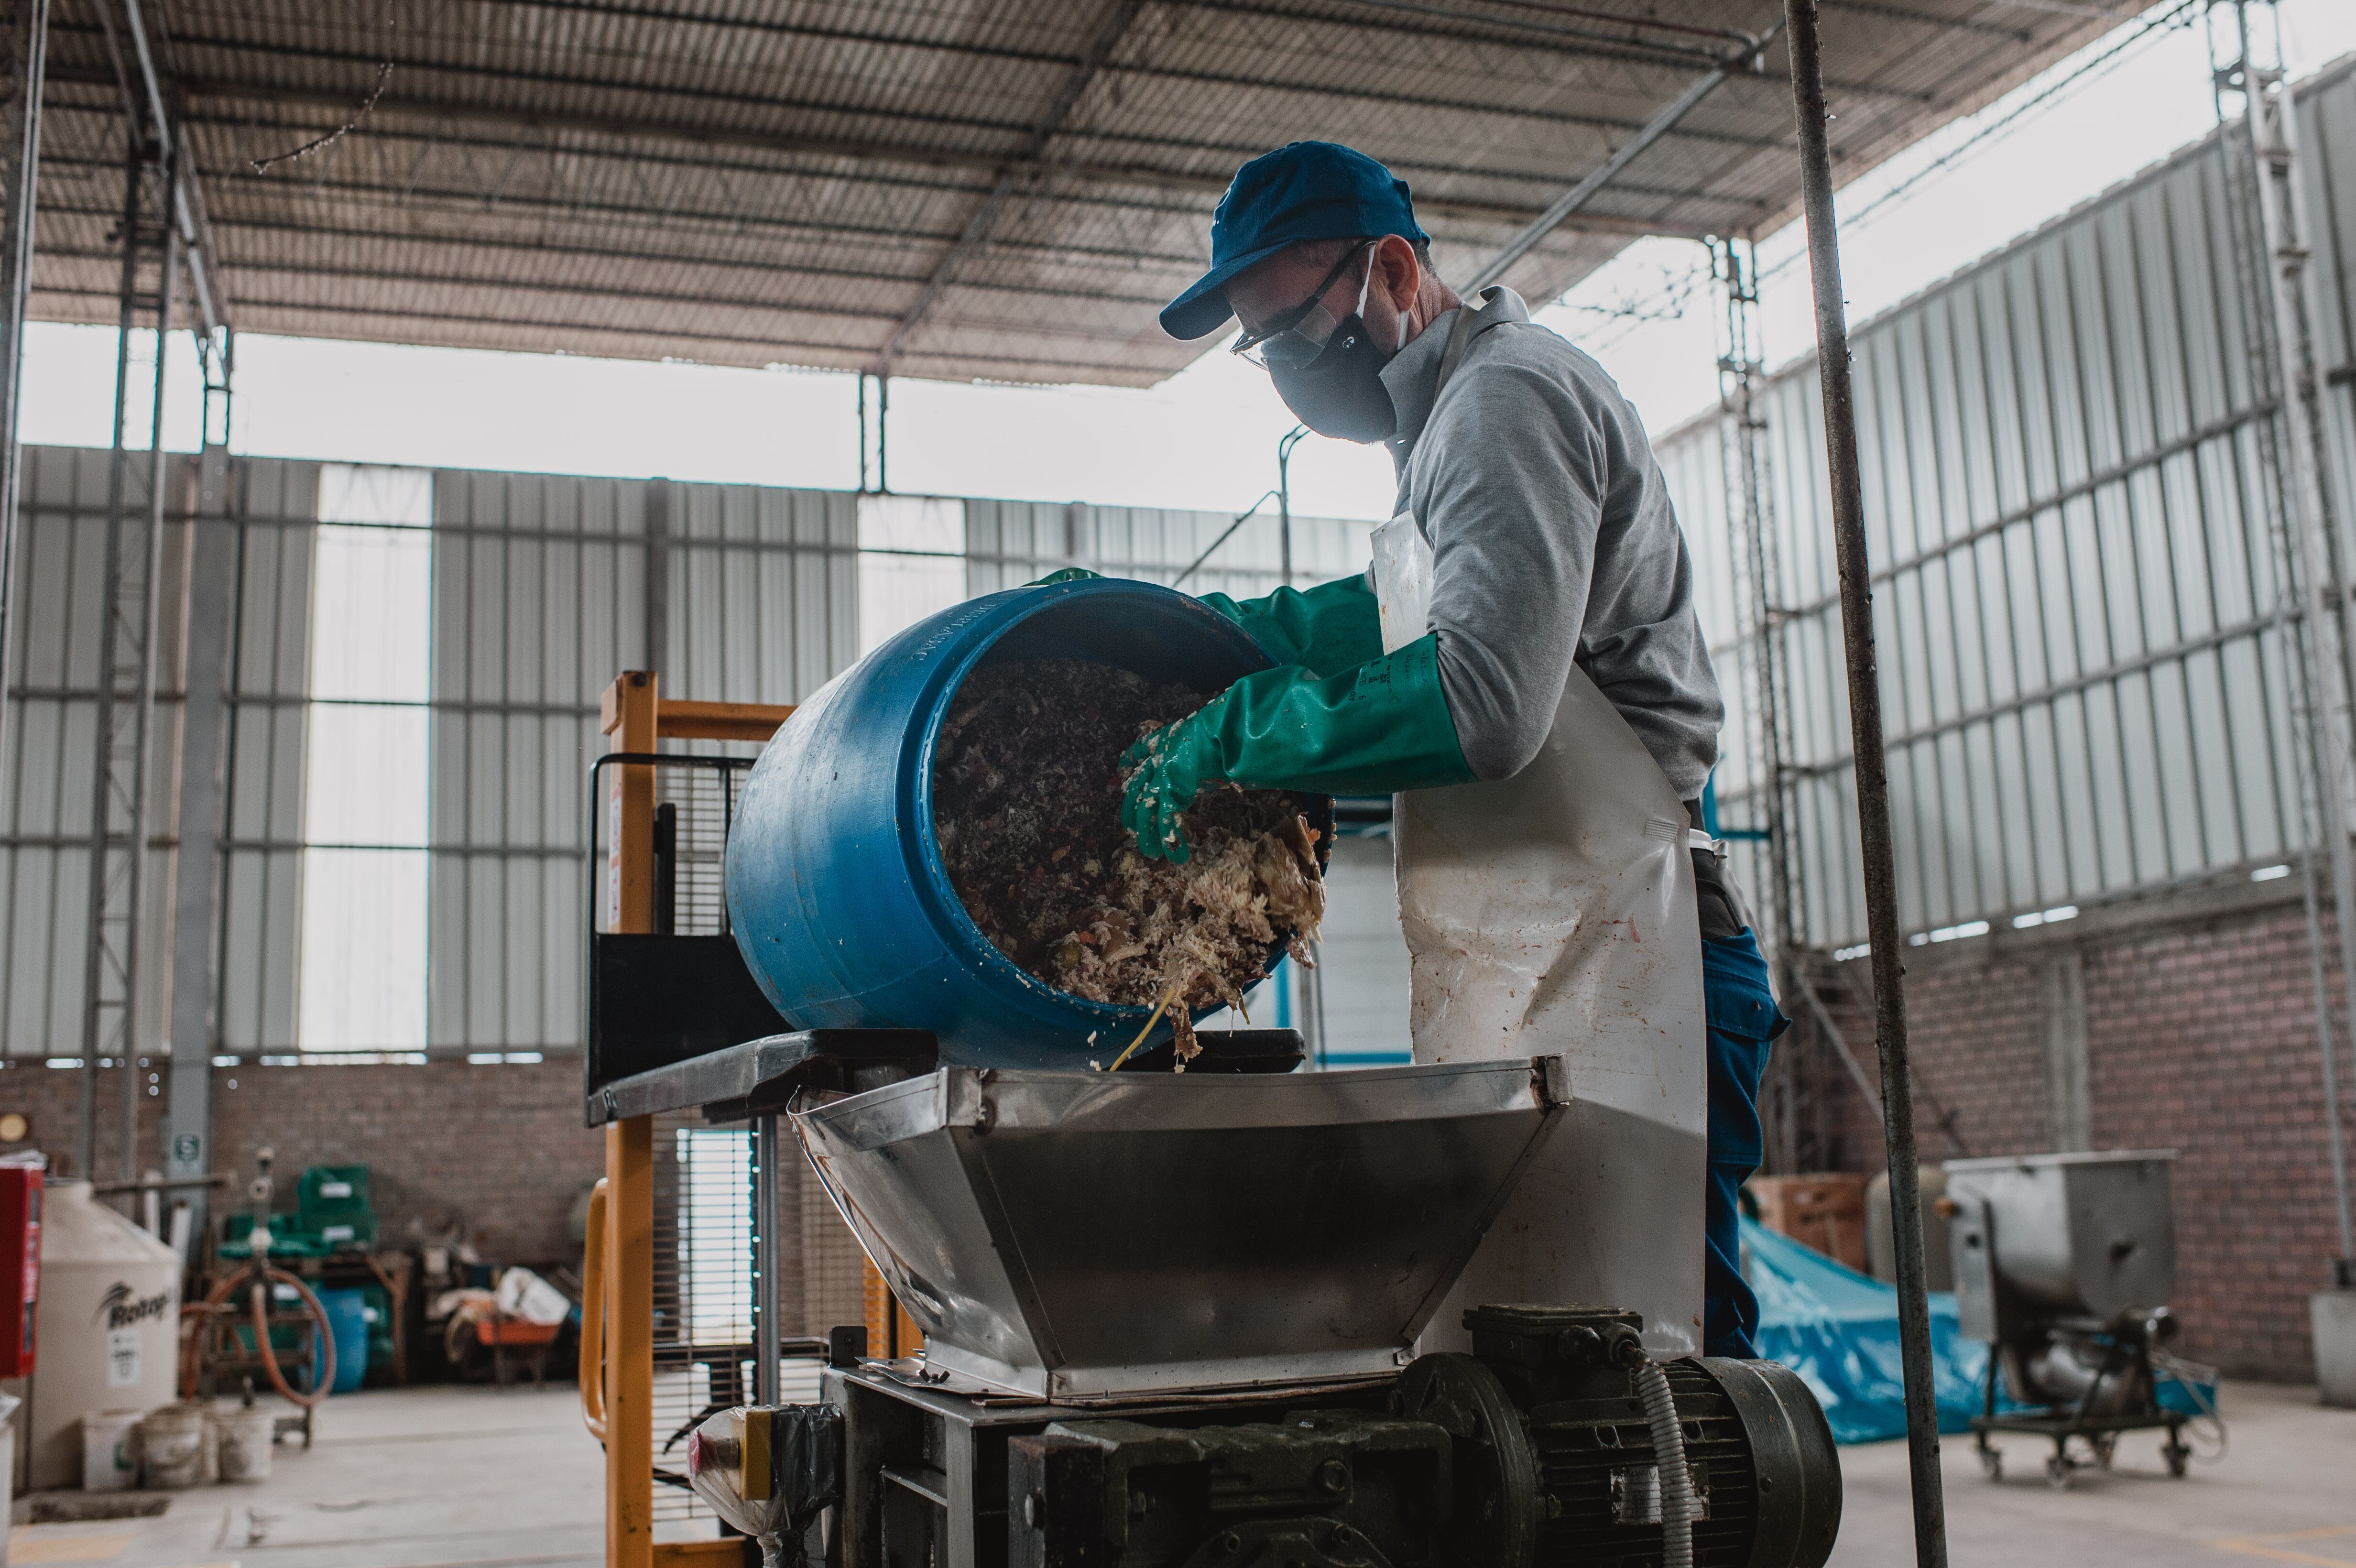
(108,1324)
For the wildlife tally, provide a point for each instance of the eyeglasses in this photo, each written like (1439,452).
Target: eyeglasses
(1279,342)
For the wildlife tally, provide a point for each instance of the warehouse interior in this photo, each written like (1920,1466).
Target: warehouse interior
(334,939)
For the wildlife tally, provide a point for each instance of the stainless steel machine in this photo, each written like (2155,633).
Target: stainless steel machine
(1171,1319)
(2064,1264)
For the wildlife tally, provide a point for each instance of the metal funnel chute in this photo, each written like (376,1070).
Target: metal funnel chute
(1075,1235)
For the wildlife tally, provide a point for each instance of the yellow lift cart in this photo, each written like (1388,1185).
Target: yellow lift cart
(657,997)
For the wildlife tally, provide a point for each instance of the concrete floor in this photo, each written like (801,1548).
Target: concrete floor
(468,1478)
(2285,1492)
(428,1478)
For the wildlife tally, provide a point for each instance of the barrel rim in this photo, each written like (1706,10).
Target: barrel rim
(930,876)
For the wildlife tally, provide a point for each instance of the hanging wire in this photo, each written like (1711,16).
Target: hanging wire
(320,143)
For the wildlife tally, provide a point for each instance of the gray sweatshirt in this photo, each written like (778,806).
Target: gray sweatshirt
(1553,541)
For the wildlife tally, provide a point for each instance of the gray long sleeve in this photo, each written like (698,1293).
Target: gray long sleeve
(1552,541)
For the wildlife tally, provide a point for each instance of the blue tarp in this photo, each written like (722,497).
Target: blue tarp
(1838,1329)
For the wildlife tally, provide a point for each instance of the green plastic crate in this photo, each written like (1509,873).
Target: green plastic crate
(335,1231)
(288,1238)
(331,1191)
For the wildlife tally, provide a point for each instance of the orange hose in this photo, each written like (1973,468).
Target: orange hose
(259,1306)
(193,1315)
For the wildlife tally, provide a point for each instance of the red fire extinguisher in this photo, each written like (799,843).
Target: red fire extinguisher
(20,1265)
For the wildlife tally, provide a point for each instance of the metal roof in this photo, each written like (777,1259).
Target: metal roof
(946,189)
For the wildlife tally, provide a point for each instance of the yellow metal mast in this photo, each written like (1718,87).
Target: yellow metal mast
(617,1273)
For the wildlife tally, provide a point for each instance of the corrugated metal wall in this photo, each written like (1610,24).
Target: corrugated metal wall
(52,718)
(541,594)
(541,597)
(2077,596)
(538,601)
(1011,542)
(263,758)
(45,853)
(764,601)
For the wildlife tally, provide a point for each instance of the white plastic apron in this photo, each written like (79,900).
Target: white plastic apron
(1553,912)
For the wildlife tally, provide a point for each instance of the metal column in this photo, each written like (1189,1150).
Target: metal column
(195,892)
(1753,554)
(24,38)
(2272,258)
(768,1300)
(1813,117)
(127,677)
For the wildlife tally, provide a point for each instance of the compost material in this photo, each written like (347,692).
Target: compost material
(1026,806)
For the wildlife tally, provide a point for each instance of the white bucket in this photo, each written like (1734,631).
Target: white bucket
(246,1436)
(172,1446)
(109,1459)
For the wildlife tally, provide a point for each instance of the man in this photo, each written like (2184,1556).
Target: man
(1524,659)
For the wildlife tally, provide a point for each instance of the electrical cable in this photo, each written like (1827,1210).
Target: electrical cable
(2180,15)
(2184,1373)
(1678,1505)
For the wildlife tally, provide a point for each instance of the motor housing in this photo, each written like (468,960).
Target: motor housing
(1533,1450)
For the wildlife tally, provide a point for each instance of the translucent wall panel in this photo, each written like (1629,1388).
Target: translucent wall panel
(364,821)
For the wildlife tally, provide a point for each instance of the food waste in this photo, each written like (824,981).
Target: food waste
(1026,806)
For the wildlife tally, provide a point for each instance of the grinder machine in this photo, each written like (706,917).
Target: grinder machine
(1170,1319)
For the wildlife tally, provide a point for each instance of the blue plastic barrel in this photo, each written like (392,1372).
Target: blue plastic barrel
(836,889)
(348,1320)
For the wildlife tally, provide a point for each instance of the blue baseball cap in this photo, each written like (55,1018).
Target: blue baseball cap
(1303,190)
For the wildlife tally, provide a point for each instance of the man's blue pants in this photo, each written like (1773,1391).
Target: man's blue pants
(1742,1019)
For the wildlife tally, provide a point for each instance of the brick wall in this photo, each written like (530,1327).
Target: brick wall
(497,1150)
(2199,1035)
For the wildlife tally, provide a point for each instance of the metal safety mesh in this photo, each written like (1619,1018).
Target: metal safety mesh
(692,809)
(703,1285)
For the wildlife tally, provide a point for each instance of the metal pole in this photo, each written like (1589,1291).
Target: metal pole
(2271,113)
(210,602)
(1872,775)
(101,808)
(2269,355)
(144,717)
(768,1301)
(26,35)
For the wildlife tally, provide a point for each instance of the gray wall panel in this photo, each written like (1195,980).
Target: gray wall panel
(2082,675)
(262,760)
(44,860)
(1011,542)
(540,600)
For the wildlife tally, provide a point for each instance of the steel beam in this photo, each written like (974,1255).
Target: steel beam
(24,36)
(1110,25)
(2272,121)
(143,746)
(210,603)
(769,1258)
(185,215)
(1813,116)
(1097,171)
(199,83)
(1580,195)
(103,961)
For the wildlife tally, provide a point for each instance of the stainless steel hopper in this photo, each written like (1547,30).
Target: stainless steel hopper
(1079,1234)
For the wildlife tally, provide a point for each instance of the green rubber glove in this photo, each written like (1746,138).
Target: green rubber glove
(1381,727)
(1062,574)
(1327,629)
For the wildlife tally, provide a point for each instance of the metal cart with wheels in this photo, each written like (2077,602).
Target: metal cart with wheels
(2121,1397)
